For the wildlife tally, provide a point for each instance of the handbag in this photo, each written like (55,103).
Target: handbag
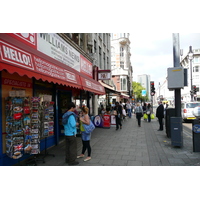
(148,112)
(152,116)
(89,128)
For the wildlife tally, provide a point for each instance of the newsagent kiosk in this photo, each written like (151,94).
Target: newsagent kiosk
(39,75)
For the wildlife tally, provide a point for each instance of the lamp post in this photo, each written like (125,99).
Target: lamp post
(190,57)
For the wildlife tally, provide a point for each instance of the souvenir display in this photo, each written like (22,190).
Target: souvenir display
(47,118)
(17,124)
(22,126)
(27,120)
(32,138)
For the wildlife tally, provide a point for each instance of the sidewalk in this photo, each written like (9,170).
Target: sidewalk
(130,146)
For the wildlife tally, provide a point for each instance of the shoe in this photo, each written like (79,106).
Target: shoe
(81,156)
(159,130)
(117,129)
(88,158)
(74,163)
(120,127)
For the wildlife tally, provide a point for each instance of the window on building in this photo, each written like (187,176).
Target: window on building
(81,40)
(95,46)
(122,64)
(100,57)
(196,59)
(196,69)
(108,63)
(123,83)
(121,52)
(104,38)
(104,60)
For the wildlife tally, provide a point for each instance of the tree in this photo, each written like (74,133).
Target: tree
(137,91)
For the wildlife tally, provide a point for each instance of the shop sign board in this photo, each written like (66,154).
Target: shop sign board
(14,55)
(104,75)
(57,48)
(106,121)
(98,121)
(112,120)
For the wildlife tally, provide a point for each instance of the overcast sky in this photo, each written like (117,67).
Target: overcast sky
(152,53)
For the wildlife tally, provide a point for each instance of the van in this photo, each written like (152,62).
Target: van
(187,110)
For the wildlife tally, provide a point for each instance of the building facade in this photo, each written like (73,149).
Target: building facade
(185,62)
(121,65)
(144,80)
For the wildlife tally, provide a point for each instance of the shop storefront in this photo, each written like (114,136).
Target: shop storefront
(34,91)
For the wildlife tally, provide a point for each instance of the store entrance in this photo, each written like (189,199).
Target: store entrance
(64,97)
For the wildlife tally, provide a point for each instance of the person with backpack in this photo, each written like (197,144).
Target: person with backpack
(70,130)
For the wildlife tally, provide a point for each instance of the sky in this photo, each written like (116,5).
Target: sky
(152,53)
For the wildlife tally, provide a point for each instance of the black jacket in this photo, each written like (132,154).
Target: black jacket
(160,111)
(118,108)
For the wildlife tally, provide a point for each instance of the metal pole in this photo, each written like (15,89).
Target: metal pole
(176,56)
(191,92)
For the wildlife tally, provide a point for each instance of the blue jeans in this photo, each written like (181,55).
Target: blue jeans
(129,113)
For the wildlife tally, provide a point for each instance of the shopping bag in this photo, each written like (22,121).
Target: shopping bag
(89,128)
(145,116)
(152,116)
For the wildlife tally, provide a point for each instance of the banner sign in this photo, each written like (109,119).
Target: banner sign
(54,46)
(12,55)
(104,75)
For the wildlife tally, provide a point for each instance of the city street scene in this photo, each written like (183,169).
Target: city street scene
(92,99)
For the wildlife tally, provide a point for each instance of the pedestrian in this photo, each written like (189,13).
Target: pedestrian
(129,109)
(148,112)
(85,119)
(160,115)
(139,113)
(118,115)
(70,130)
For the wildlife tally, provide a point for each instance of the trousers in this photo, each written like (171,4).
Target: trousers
(71,149)
(86,146)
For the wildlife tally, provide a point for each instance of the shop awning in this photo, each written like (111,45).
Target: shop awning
(28,61)
(125,96)
(12,69)
(92,85)
(108,88)
(37,65)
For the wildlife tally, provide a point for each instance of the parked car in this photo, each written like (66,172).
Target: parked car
(187,110)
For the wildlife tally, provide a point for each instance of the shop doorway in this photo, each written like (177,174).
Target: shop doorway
(64,97)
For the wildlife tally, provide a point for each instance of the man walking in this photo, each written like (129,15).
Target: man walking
(129,109)
(69,123)
(160,115)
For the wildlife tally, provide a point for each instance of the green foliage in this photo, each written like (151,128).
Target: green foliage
(137,91)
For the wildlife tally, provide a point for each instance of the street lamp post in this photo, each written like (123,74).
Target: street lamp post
(190,57)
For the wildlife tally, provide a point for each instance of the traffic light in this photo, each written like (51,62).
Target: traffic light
(152,88)
(194,89)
